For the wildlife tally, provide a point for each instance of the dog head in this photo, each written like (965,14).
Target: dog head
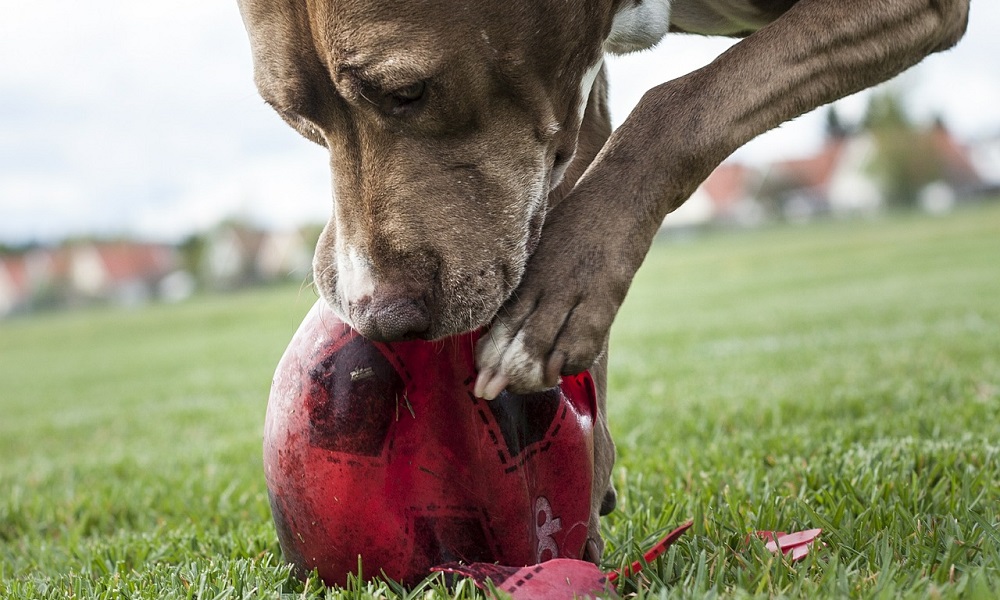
(448,123)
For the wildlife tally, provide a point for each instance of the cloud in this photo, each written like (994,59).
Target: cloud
(279,192)
(118,115)
(125,116)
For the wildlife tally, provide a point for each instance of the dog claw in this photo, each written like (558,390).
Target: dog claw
(489,384)
(481,380)
(554,368)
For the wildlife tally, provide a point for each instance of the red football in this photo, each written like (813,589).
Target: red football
(381,451)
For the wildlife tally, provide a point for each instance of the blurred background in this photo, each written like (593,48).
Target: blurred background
(138,164)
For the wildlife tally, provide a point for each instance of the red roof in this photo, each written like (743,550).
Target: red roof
(728,184)
(17,272)
(815,171)
(125,261)
(954,155)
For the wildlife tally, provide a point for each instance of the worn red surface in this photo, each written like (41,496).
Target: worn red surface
(382,451)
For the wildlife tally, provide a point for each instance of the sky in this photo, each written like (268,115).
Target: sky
(120,117)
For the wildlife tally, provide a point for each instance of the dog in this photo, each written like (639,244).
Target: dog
(476,178)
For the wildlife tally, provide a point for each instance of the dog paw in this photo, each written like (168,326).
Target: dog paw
(553,325)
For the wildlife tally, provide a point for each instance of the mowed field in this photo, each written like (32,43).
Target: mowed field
(841,375)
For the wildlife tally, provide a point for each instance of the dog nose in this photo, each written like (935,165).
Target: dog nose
(391,319)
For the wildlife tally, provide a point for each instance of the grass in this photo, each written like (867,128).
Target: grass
(843,375)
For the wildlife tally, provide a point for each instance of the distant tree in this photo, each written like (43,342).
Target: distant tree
(192,251)
(20,248)
(835,126)
(886,110)
(907,158)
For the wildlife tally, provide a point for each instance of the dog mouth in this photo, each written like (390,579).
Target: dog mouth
(448,304)
(470,301)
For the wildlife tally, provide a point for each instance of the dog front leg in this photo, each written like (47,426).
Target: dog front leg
(593,242)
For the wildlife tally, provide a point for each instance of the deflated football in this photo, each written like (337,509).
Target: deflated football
(382,451)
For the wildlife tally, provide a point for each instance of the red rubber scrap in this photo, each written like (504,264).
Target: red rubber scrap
(796,544)
(557,579)
(651,554)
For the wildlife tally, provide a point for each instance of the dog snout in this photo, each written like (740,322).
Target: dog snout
(391,317)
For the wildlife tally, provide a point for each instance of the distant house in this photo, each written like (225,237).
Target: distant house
(229,257)
(125,273)
(836,180)
(14,288)
(843,177)
(960,175)
(28,279)
(727,196)
(236,255)
(284,255)
(984,154)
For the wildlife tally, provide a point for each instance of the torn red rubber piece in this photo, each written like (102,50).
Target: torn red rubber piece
(797,544)
(557,579)
(651,554)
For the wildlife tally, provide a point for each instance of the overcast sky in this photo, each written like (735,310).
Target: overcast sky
(125,116)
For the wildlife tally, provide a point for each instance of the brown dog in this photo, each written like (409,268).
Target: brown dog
(476,178)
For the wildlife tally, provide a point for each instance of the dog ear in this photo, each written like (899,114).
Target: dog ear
(287,69)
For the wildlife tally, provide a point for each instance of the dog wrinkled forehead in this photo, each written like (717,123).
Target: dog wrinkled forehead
(298,43)
(324,62)
(348,28)
(387,52)
(284,28)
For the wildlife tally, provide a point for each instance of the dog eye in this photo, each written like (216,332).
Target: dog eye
(404,98)
(410,93)
(395,102)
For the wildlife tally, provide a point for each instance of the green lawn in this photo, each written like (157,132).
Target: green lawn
(843,375)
